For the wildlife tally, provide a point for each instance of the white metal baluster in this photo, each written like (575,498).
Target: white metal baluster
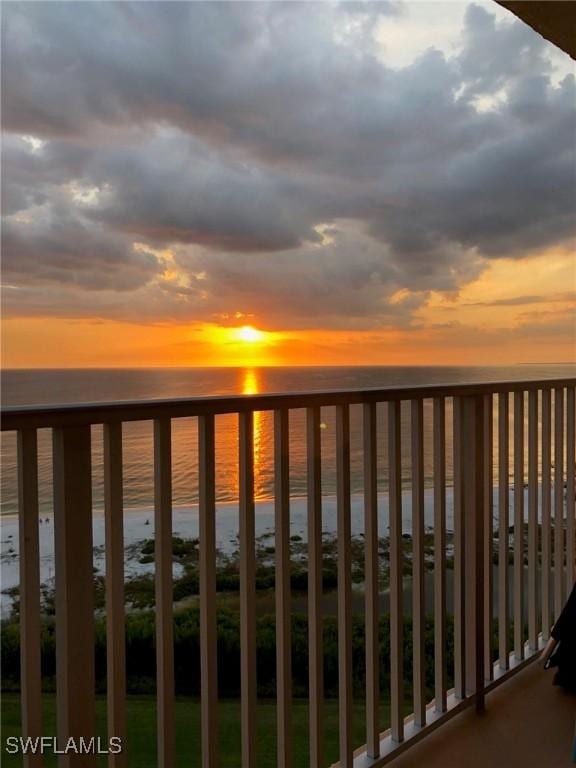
(503,530)
(558,501)
(371,579)
(546,544)
(115,632)
(473,476)
(488,536)
(459,556)
(532,519)
(208,626)
(519,525)
(418,594)
(283,620)
(164,597)
(570,490)
(247,591)
(344,584)
(396,575)
(440,672)
(315,643)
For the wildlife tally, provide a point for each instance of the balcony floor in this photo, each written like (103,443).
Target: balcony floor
(528,723)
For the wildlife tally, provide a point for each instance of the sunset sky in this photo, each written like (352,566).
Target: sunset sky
(249,183)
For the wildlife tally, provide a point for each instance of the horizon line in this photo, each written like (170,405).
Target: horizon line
(273,366)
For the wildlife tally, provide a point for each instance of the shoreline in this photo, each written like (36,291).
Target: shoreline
(139,526)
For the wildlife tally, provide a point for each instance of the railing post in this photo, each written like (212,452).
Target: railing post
(30,666)
(74,591)
(473,477)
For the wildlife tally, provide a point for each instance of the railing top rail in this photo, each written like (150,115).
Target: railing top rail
(40,416)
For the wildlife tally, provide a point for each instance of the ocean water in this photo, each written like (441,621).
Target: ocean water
(68,386)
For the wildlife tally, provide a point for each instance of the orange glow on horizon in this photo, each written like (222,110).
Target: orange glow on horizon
(59,343)
(513,312)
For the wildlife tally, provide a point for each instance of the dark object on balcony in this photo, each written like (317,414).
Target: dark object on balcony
(553,659)
(564,631)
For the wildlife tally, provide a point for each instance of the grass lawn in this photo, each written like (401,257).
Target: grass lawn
(141,741)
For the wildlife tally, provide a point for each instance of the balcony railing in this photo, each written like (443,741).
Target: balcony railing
(529,595)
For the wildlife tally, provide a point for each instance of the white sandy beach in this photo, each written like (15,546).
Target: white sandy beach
(139,525)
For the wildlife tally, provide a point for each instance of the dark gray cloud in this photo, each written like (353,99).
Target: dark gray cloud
(179,191)
(494,54)
(54,248)
(237,134)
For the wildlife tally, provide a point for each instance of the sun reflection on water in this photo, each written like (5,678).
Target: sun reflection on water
(251,385)
(250,382)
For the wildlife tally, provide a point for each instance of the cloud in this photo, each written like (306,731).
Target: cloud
(496,54)
(269,147)
(54,248)
(520,301)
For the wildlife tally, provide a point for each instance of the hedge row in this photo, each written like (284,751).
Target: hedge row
(141,658)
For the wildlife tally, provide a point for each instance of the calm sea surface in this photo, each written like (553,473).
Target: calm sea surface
(67,386)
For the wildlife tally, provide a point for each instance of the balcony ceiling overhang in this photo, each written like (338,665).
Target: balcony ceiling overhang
(553,19)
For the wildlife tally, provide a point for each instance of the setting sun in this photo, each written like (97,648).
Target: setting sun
(249,334)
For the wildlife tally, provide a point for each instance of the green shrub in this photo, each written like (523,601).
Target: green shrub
(141,653)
